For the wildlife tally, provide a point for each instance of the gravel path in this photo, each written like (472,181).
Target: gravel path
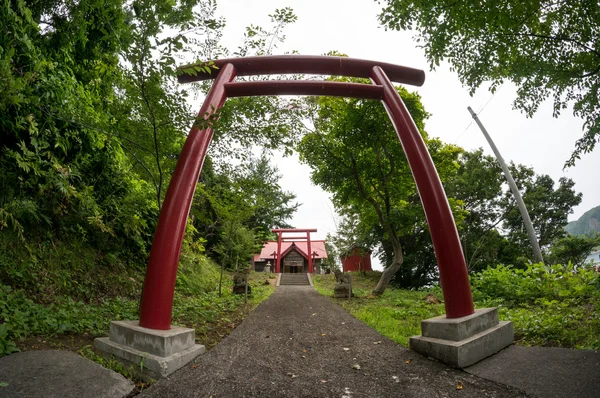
(301,344)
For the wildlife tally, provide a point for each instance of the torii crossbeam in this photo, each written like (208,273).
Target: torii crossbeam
(159,286)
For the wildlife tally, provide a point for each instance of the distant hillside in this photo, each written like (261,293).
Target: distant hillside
(588,223)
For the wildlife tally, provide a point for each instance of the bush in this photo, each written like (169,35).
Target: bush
(23,317)
(525,286)
(549,305)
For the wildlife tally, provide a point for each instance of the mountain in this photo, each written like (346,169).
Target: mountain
(588,223)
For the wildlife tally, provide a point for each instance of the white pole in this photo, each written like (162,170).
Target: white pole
(537,253)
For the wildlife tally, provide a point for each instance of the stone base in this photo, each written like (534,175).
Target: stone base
(342,290)
(153,353)
(461,342)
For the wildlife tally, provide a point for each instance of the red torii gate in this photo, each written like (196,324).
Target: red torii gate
(159,285)
(280,238)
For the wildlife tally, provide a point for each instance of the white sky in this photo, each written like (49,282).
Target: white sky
(351,27)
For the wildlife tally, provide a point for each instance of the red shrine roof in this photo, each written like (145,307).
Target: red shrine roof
(315,246)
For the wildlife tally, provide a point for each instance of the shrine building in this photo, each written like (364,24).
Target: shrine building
(291,255)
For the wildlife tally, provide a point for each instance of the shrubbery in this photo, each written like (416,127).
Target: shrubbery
(536,282)
(549,305)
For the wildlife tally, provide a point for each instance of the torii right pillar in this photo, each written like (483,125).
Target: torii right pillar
(464,335)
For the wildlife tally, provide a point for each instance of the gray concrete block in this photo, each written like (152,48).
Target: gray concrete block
(458,329)
(145,364)
(59,374)
(466,352)
(162,343)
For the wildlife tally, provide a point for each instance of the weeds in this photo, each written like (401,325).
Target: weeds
(548,305)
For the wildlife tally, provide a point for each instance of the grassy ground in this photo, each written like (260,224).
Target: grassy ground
(72,325)
(565,312)
(63,295)
(397,314)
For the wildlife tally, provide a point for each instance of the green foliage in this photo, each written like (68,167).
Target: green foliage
(526,286)
(23,317)
(354,154)
(66,268)
(397,314)
(479,188)
(547,206)
(236,207)
(92,122)
(547,49)
(549,306)
(573,249)
(196,273)
(196,304)
(109,363)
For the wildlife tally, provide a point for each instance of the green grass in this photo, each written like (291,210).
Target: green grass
(397,314)
(548,306)
(64,294)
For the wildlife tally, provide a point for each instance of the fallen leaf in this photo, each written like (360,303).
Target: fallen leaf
(303,356)
(322,334)
(343,323)
(324,381)
(346,349)
(377,342)
(459,386)
(314,314)
(304,350)
(356,366)
(194,366)
(3,384)
(293,376)
(408,361)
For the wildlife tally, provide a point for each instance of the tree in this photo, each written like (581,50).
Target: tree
(249,195)
(61,173)
(547,48)
(548,207)
(354,154)
(573,249)
(478,186)
(153,114)
(269,205)
(92,120)
(492,230)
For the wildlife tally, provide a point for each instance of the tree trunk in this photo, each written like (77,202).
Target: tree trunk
(221,277)
(390,271)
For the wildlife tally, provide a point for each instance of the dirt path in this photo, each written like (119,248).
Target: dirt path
(301,344)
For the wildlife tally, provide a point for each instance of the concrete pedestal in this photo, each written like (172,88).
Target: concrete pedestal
(153,353)
(461,342)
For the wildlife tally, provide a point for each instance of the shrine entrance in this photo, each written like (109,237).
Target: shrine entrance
(159,286)
(293,257)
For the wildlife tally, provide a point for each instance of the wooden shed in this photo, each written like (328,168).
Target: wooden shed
(357,259)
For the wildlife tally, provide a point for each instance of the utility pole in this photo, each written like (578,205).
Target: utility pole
(537,253)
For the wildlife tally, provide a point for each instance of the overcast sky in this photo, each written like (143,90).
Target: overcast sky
(351,27)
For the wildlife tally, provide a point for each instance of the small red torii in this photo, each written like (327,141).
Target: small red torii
(280,238)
